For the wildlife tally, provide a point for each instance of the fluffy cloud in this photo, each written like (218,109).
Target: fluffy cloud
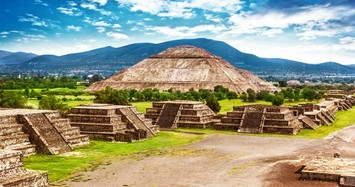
(100,2)
(117,36)
(101,24)
(187,31)
(92,6)
(70,11)
(180,9)
(310,23)
(73,28)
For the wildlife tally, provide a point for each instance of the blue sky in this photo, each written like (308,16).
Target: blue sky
(311,31)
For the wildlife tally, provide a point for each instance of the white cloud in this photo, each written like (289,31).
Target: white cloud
(5,33)
(70,11)
(101,24)
(180,9)
(40,2)
(73,28)
(35,20)
(101,2)
(116,26)
(309,24)
(117,36)
(187,31)
(91,6)
(101,29)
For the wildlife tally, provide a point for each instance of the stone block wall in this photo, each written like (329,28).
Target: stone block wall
(191,114)
(12,173)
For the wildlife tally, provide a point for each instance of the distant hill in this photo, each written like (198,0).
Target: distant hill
(8,58)
(351,65)
(4,53)
(109,60)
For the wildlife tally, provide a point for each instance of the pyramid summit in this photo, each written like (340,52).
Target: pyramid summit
(182,68)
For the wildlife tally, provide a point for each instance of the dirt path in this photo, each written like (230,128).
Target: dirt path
(219,160)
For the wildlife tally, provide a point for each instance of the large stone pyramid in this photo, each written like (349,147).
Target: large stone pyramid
(182,68)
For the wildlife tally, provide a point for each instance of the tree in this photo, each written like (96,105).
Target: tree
(262,95)
(212,102)
(52,103)
(95,78)
(12,100)
(282,83)
(278,100)
(309,94)
(244,96)
(26,93)
(251,95)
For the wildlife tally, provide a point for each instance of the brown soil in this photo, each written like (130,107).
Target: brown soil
(219,160)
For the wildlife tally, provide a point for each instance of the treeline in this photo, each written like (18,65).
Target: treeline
(38,82)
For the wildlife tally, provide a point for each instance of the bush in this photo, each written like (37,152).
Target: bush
(212,102)
(278,100)
(12,100)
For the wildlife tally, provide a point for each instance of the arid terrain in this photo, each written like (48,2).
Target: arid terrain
(221,160)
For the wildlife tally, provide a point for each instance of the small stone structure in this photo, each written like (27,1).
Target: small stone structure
(12,173)
(340,170)
(38,130)
(112,122)
(173,114)
(261,119)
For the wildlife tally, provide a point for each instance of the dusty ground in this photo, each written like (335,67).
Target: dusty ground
(221,160)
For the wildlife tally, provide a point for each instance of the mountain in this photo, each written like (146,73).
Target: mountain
(325,68)
(109,60)
(352,66)
(4,53)
(15,58)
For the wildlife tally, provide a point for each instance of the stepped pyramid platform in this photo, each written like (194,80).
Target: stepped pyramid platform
(182,68)
(112,122)
(339,170)
(12,173)
(260,119)
(173,114)
(38,130)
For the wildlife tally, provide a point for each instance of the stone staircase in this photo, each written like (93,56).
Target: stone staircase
(323,119)
(308,122)
(12,173)
(134,119)
(71,134)
(168,116)
(47,137)
(12,137)
(253,122)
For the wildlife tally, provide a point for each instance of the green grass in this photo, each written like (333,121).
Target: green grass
(227,105)
(343,119)
(142,106)
(100,152)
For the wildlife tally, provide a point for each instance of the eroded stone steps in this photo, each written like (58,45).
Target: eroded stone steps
(8,129)
(47,133)
(308,122)
(132,117)
(8,140)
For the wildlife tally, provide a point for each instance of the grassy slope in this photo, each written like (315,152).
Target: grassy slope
(98,152)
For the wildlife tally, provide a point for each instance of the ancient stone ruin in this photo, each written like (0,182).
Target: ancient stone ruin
(38,130)
(182,68)
(260,119)
(173,114)
(25,132)
(12,173)
(339,170)
(112,122)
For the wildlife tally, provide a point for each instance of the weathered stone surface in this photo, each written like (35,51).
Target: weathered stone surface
(43,130)
(261,119)
(340,170)
(12,173)
(183,68)
(112,122)
(173,114)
